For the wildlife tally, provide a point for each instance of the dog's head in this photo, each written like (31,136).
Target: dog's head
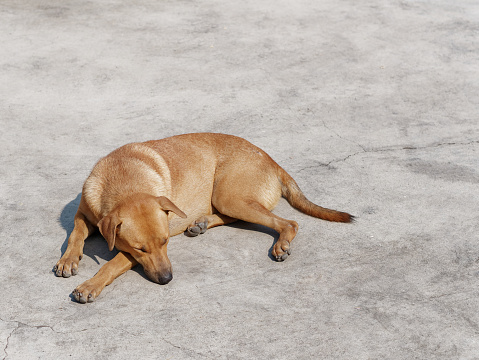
(139,226)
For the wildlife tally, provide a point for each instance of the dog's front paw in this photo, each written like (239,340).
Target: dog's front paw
(86,292)
(281,250)
(67,266)
(198,227)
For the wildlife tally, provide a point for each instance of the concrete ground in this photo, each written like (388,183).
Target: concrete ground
(372,106)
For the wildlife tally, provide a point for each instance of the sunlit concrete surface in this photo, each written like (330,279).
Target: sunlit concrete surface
(372,106)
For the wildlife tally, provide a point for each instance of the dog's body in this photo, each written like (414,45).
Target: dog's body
(134,196)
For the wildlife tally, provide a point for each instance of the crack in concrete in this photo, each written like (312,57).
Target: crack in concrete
(365,150)
(7,343)
(20,324)
(342,138)
(399,148)
(189,351)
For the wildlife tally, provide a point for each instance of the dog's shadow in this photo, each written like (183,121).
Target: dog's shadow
(95,246)
(257,228)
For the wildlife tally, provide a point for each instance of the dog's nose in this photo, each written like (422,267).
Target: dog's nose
(165,279)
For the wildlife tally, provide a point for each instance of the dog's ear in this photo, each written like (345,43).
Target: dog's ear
(167,205)
(108,227)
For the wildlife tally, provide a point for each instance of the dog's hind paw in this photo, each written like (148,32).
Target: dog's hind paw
(281,250)
(198,227)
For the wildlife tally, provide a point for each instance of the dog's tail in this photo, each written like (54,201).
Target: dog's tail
(294,195)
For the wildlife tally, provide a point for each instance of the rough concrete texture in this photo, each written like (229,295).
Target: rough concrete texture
(370,105)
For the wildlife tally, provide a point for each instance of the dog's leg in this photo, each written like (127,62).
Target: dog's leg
(207,222)
(90,289)
(68,264)
(252,211)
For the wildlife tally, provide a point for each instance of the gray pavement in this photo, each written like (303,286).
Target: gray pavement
(372,106)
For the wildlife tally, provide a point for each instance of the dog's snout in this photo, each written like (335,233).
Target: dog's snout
(165,279)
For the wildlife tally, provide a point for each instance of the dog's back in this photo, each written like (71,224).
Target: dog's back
(244,165)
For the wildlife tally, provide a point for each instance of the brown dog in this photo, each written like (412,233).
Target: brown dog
(134,196)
